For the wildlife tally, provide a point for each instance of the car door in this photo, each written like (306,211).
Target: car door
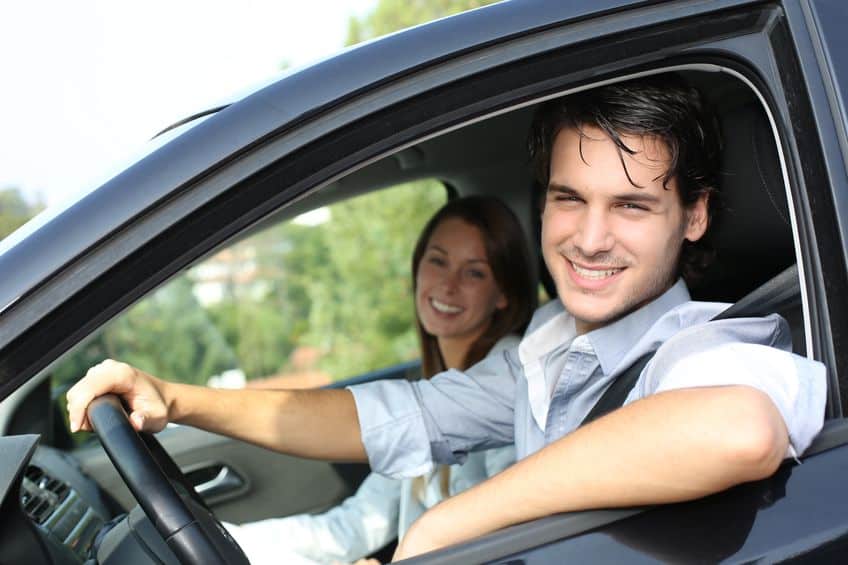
(298,137)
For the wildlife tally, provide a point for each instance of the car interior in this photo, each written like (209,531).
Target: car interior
(755,253)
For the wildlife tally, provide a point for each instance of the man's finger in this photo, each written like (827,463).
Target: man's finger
(105,377)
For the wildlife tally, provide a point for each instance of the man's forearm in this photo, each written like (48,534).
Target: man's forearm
(670,447)
(319,424)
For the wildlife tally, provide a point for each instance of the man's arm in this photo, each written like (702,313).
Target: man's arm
(670,447)
(320,424)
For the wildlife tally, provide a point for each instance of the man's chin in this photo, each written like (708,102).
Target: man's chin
(589,319)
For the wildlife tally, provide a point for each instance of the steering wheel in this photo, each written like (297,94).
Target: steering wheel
(190,529)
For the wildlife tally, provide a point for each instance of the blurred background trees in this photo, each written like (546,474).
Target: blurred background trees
(392,15)
(15,210)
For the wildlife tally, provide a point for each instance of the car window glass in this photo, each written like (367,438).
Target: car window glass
(306,302)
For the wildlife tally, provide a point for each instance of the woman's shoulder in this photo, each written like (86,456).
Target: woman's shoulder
(505,343)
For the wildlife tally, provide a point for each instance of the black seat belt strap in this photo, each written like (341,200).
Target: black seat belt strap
(614,397)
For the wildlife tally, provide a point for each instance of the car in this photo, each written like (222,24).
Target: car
(450,101)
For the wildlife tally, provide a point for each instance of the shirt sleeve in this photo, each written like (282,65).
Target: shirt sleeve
(753,352)
(359,526)
(406,427)
(499,459)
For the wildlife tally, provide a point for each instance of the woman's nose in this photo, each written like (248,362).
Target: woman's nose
(452,279)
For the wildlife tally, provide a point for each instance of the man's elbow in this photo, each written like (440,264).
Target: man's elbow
(759,435)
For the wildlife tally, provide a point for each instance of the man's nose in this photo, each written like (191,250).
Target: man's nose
(594,234)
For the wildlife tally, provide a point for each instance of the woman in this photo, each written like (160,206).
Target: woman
(474,295)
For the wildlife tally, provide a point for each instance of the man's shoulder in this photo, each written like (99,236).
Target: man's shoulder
(699,332)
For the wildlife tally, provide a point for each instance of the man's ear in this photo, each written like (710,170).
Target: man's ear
(697,218)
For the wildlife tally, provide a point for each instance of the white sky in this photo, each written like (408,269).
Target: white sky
(85,84)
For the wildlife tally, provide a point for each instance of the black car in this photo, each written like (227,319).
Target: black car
(450,102)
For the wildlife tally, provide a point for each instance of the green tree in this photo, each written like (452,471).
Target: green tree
(392,15)
(15,210)
(362,312)
(168,334)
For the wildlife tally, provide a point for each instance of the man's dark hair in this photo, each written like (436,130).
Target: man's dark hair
(661,106)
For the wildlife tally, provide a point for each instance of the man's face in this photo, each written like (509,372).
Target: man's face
(611,246)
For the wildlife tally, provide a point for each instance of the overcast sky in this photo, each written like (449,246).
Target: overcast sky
(87,83)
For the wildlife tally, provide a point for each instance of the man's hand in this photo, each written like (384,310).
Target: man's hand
(143,394)
(669,447)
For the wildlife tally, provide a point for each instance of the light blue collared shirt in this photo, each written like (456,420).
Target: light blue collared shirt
(542,390)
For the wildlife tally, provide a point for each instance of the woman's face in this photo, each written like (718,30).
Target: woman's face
(456,292)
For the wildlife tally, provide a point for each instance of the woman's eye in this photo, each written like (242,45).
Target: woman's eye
(475,274)
(438,261)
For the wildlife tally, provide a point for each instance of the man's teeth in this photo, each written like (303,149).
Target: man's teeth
(445,308)
(594,273)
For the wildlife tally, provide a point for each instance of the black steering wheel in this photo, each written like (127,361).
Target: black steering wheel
(190,529)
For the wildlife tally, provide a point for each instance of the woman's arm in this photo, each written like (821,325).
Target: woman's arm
(359,526)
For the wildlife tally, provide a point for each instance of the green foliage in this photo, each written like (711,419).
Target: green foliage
(363,313)
(393,15)
(168,334)
(15,210)
(343,286)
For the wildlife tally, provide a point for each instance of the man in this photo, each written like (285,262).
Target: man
(630,175)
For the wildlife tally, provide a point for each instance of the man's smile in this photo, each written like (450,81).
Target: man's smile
(595,277)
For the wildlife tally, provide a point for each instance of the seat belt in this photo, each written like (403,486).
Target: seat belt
(615,395)
(779,293)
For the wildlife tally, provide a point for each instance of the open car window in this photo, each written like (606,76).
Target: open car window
(305,302)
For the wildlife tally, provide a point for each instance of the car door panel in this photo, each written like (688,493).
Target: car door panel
(271,484)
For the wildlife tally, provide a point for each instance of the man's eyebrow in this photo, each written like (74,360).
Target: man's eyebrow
(561,188)
(638,197)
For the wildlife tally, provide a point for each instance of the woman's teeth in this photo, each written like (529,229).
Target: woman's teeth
(594,273)
(445,308)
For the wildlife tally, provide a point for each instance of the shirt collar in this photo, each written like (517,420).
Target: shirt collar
(552,327)
(613,341)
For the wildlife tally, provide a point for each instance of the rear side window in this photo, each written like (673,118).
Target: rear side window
(319,298)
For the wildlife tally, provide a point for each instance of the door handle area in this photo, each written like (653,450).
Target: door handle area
(224,480)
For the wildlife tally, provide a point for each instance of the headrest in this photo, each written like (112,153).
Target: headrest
(752,234)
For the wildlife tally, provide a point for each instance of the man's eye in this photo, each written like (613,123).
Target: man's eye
(566,198)
(632,206)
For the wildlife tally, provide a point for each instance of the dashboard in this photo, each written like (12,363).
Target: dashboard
(51,512)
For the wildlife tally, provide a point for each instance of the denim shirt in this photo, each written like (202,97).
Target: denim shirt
(542,390)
